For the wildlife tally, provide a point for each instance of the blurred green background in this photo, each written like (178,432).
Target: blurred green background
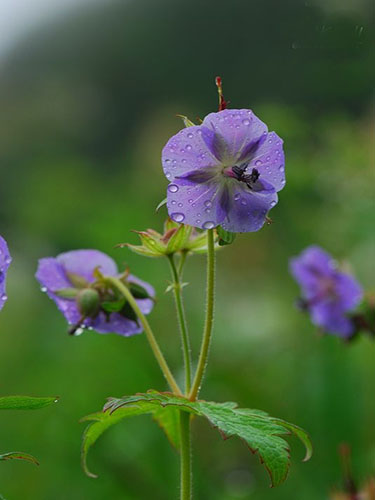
(88,97)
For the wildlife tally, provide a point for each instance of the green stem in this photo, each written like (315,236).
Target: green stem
(148,331)
(210,300)
(177,291)
(182,263)
(185,465)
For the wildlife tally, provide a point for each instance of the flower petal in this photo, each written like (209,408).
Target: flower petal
(236,131)
(5,260)
(190,149)
(269,160)
(195,204)
(84,262)
(145,305)
(51,275)
(116,323)
(247,211)
(349,291)
(332,319)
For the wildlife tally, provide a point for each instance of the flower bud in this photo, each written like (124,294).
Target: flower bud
(88,302)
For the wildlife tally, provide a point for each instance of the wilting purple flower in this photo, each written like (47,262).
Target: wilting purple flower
(68,276)
(226,171)
(328,293)
(5,260)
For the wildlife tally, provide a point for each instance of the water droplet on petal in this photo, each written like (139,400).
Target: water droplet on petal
(190,201)
(180,205)
(281,168)
(190,135)
(258,162)
(208,225)
(188,147)
(243,202)
(273,203)
(43,289)
(178,217)
(8,260)
(246,121)
(4,297)
(173,202)
(173,188)
(208,204)
(237,196)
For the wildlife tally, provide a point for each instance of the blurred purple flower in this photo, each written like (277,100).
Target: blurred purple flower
(226,171)
(5,260)
(328,293)
(69,275)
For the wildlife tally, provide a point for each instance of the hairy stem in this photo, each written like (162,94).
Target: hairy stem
(185,342)
(148,331)
(185,464)
(210,300)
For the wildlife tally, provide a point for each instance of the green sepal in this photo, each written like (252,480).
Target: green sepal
(187,122)
(113,306)
(140,250)
(19,455)
(67,293)
(77,280)
(151,241)
(225,237)
(161,204)
(261,432)
(179,239)
(138,291)
(25,402)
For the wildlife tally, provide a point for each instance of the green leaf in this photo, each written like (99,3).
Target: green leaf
(225,237)
(113,306)
(138,291)
(261,432)
(19,455)
(169,420)
(187,122)
(25,402)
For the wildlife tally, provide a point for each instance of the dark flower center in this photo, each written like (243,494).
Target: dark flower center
(248,178)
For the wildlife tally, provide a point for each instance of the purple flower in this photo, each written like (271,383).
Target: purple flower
(5,260)
(328,293)
(72,280)
(226,171)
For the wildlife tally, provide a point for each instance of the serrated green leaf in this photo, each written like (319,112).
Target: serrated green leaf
(225,237)
(101,422)
(19,455)
(25,402)
(261,432)
(169,420)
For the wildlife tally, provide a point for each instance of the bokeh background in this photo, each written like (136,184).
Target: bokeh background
(88,97)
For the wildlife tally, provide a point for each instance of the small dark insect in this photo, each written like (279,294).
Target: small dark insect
(248,179)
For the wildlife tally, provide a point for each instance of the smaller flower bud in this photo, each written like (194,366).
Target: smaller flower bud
(88,302)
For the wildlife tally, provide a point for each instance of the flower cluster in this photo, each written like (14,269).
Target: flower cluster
(226,171)
(327,293)
(76,282)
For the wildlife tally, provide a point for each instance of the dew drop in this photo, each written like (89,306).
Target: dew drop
(173,202)
(208,225)
(237,196)
(173,188)
(281,168)
(4,296)
(180,205)
(246,121)
(243,202)
(208,204)
(178,217)
(183,160)
(258,162)
(188,147)
(273,203)
(78,332)
(198,221)
(207,210)
(43,289)
(190,201)
(167,161)
(8,260)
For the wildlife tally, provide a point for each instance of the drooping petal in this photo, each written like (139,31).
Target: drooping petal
(247,210)
(52,277)
(195,204)
(236,131)
(331,318)
(84,262)
(190,149)
(116,323)
(269,160)
(349,291)
(5,260)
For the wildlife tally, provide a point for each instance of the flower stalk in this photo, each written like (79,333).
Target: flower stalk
(148,331)
(210,301)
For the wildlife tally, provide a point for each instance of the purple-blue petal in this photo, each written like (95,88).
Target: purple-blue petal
(84,262)
(269,160)
(5,260)
(190,149)
(332,319)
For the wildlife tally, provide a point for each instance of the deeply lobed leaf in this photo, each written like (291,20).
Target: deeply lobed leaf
(261,432)
(25,402)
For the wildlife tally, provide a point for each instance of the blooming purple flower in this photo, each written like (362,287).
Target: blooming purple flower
(5,260)
(226,171)
(328,293)
(71,277)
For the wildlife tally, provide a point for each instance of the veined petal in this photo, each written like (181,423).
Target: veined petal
(83,263)
(269,160)
(236,131)
(195,204)
(5,260)
(247,210)
(191,149)
(115,324)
